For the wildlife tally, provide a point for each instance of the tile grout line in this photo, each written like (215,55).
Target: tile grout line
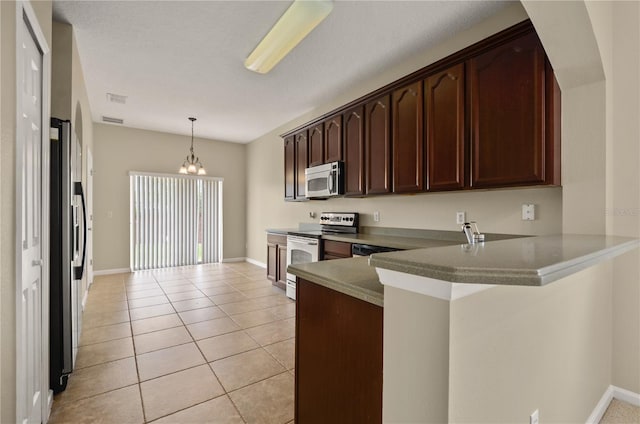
(98,394)
(144,414)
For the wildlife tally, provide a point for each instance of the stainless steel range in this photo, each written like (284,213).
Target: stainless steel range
(304,246)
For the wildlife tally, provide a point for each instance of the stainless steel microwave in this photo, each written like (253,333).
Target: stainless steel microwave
(324,180)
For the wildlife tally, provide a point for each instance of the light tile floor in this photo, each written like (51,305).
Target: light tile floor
(210,343)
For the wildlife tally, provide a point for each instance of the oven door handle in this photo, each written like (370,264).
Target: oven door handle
(301,241)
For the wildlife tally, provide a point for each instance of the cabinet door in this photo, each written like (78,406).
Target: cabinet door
(302,162)
(338,342)
(445,128)
(316,145)
(289,168)
(281,280)
(272,261)
(378,146)
(354,151)
(333,139)
(506,92)
(408,139)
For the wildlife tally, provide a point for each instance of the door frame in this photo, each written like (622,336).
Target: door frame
(89,211)
(25,12)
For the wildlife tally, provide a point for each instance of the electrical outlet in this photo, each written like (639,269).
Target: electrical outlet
(461,217)
(533,418)
(376,216)
(528,212)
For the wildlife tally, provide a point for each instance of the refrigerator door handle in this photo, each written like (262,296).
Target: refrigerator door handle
(78,271)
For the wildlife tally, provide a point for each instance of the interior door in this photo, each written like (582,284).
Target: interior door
(29,302)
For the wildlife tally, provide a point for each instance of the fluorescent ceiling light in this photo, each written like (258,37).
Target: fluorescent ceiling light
(298,21)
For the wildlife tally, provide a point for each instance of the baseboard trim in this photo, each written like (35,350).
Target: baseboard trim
(258,263)
(609,394)
(601,406)
(111,271)
(626,396)
(225,260)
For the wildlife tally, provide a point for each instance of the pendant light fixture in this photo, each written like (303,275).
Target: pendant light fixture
(192,164)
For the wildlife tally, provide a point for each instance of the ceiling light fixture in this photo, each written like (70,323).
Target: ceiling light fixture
(298,21)
(192,164)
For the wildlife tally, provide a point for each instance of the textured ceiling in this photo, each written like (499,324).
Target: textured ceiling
(175,59)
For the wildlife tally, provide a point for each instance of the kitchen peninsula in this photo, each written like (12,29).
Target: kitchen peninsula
(516,315)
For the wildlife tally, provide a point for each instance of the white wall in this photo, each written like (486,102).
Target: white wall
(518,349)
(597,47)
(624,209)
(495,211)
(118,150)
(7,194)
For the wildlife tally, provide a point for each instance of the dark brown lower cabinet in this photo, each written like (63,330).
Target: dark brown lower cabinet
(338,375)
(277,260)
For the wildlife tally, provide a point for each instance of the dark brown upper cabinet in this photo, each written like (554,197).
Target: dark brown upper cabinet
(302,162)
(445,129)
(289,168)
(486,116)
(354,151)
(507,104)
(408,139)
(316,145)
(378,146)
(333,139)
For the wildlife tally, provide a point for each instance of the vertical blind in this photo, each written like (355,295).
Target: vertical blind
(175,220)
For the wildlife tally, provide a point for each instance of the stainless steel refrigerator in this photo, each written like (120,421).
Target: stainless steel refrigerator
(67,252)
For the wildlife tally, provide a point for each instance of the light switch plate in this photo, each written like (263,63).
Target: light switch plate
(461,217)
(528,212)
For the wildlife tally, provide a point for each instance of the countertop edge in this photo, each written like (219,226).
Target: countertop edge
(341,287)
(511,277)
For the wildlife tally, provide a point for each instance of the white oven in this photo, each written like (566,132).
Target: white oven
(300,250)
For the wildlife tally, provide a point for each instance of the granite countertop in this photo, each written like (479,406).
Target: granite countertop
(353,277)
(529,261)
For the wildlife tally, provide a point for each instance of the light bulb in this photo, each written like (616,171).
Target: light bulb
(201,171)
(182,170)
(191,169)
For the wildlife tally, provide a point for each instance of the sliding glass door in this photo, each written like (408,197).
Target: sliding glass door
(175,220)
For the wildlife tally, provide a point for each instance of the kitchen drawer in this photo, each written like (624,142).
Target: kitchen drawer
(276,239)
(336,249)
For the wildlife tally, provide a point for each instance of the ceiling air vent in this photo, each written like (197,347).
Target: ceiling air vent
(112,120)
(116,98)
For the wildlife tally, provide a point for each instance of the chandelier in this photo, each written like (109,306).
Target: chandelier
(192,164)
